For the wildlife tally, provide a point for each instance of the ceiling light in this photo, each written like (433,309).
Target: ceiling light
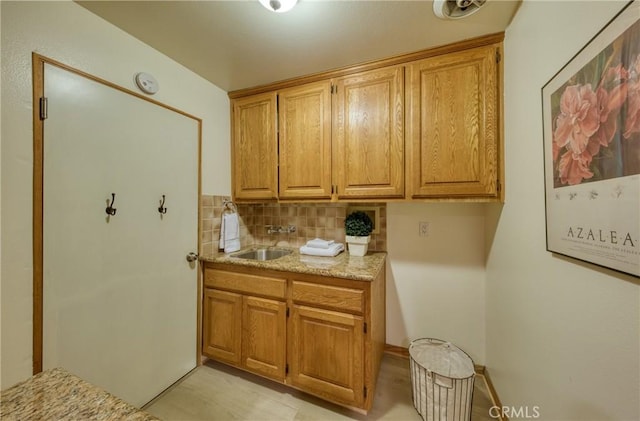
(456,9)
(278,6)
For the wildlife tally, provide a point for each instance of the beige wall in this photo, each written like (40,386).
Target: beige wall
(561,335)
(436,284)
(68,33)
(0,212)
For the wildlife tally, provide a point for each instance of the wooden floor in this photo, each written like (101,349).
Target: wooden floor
(217,392)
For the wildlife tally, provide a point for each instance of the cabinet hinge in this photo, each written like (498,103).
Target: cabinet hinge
(364,328)
(334,89)
(498,56)
(44,108)
(286,369)
(287,311)
(365,391)
(498,185)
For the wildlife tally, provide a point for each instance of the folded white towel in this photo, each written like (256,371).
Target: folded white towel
(333,250)
(319,243)
(229,233)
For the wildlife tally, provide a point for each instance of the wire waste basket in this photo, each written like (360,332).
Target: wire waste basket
(442,378)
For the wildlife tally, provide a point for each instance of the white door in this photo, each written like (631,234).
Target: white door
(120,299)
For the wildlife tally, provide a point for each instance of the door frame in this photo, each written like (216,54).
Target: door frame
(38,67)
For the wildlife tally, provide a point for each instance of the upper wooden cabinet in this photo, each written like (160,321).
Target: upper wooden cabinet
(369,134)
(424,126)
(453,125)
(255,147)
(304,115)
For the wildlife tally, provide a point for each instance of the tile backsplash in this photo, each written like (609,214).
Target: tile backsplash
(322,220)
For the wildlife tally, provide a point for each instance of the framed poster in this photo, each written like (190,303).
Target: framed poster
(591,122)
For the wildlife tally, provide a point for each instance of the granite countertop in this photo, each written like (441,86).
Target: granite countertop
(344,265)
(59,395)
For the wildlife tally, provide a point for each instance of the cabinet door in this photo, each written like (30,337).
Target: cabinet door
(327,354)
(264,336)
(453,125)
(254,147)
(222,325)
(369,134)
(305,141)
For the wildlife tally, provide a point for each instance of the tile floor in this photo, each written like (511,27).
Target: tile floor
(217,392)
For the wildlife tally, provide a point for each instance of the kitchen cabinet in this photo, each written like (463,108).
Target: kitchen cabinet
(353,149)
(305,141)
(244,322)
(453,135)
(254,147)
(222,330)
(327,341)
(320,334)
(369,134)
(422,126)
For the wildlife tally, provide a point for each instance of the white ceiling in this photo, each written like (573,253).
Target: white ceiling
(239,44)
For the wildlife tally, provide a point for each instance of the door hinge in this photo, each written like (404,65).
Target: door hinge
(498,56)
(364,328)
(44,109)
(365,391)
(287,311)
(286,369)
(334,89)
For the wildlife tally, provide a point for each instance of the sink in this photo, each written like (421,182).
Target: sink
(262,254)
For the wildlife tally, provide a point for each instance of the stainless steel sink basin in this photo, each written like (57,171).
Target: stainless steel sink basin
(262,254)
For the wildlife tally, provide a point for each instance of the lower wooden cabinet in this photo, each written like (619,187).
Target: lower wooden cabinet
(264,325)
(326,354)
(243,330)
(318,334)
(222,331)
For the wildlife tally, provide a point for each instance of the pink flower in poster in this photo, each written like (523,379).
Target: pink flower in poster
(595,116)
(609,104)
(579,118)
(632,122)
(574,168)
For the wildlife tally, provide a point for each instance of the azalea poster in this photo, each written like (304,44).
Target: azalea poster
(591,116)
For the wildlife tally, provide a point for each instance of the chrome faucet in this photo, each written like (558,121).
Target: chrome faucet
(279,229)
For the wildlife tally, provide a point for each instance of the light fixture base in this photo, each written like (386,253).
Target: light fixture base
(278,6)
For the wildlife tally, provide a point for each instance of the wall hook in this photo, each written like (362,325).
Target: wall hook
(110,209)
(162,209)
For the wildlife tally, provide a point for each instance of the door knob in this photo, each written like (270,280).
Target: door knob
(192,257)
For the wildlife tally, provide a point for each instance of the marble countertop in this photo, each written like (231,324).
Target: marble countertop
(59,395)
(344,265)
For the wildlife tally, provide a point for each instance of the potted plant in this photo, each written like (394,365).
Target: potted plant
(357,227)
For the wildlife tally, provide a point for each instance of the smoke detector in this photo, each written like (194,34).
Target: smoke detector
(456,9)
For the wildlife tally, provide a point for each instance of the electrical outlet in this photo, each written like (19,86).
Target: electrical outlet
(423,229)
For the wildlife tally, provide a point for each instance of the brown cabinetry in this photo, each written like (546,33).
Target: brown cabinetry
(369,134)
(327,354)
(254,147)
(319,334)
(241,328)
(453,125)
(264,336)
(424,126)
(341,137)
(304,115)
(222,333)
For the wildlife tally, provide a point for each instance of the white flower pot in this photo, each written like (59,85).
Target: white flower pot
(358,245)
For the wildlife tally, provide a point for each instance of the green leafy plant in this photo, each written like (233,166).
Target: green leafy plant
(358,224)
